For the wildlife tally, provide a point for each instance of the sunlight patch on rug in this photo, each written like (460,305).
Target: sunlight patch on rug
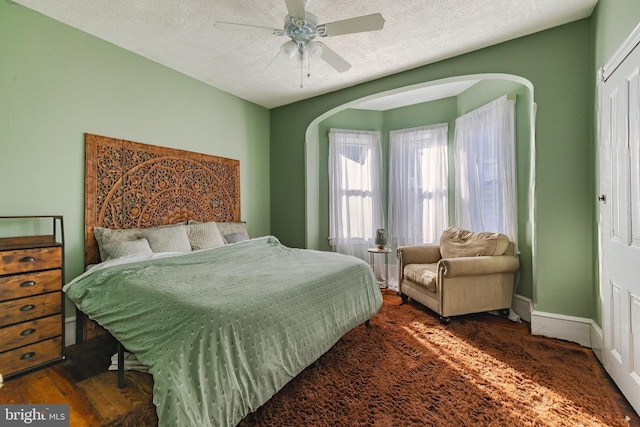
(517,392)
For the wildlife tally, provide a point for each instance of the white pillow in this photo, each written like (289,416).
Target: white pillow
(171,238)
(127,248)
(204,235)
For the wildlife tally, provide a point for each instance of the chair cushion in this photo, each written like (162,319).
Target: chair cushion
(424,274)
(456,242)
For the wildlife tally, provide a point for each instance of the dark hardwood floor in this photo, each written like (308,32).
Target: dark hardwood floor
(623,404)
(83,382)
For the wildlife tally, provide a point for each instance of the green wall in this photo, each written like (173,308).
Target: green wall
(56,83)
(613,21)
(558,63)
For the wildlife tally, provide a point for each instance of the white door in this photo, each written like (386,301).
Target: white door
(619,157)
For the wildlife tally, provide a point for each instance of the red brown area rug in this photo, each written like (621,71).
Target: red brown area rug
(408,369)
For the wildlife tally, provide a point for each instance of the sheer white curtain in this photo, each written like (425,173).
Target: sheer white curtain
(355,188)
(418,185)
(484,152)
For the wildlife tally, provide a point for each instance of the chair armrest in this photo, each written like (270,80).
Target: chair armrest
(423,254)
(477,266)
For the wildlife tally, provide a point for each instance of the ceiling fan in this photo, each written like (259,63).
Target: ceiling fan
(302,28)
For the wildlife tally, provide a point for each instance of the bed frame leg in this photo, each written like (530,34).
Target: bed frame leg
(405,299)
(366,323)
(120,365)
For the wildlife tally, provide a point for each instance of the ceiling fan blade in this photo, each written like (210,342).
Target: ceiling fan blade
(278,57)
(296,8)
(360,24)
(230,26)
(333,59)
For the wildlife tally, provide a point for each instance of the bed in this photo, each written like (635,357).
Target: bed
(223,327)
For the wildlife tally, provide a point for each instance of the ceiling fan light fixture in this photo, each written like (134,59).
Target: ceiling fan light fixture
(314,49)
(301,30)
(289,49)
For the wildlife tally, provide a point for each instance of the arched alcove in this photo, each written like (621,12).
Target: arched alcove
(316,233)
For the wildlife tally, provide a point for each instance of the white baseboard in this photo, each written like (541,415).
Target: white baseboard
(575,329)
(597,342)
(522,306)
(69,331)
(569,328)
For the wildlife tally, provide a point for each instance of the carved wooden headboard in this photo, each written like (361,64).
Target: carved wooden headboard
(131,185)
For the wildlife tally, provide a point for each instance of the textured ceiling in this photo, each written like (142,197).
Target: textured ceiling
(180,34)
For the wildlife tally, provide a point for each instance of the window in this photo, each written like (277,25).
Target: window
(355,177)
(485,169)
(418,185)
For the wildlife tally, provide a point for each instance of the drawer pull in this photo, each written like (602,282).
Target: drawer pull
(27,332)
(28,355)
(27,259)
(27,283)
(27,307)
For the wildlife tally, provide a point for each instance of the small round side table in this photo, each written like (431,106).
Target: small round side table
(377,251)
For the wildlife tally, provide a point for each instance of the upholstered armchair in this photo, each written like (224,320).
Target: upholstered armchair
(466,273)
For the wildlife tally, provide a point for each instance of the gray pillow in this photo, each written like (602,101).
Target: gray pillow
(235,237)
(127,248)
(233,228)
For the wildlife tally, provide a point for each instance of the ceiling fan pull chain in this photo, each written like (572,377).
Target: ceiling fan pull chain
(301,70)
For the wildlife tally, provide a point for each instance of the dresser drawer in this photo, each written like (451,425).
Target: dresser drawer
(29,332)
(23,285)
(23,309)
(30,356)
(22,260)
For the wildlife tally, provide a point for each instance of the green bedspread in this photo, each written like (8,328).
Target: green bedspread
(223,330)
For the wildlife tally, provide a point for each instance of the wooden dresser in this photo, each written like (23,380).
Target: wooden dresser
(31,299)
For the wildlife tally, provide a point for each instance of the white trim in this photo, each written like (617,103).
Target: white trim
(523,307)
(575,329)
(597,337)
(622,52)
(69,331)
(597,342)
